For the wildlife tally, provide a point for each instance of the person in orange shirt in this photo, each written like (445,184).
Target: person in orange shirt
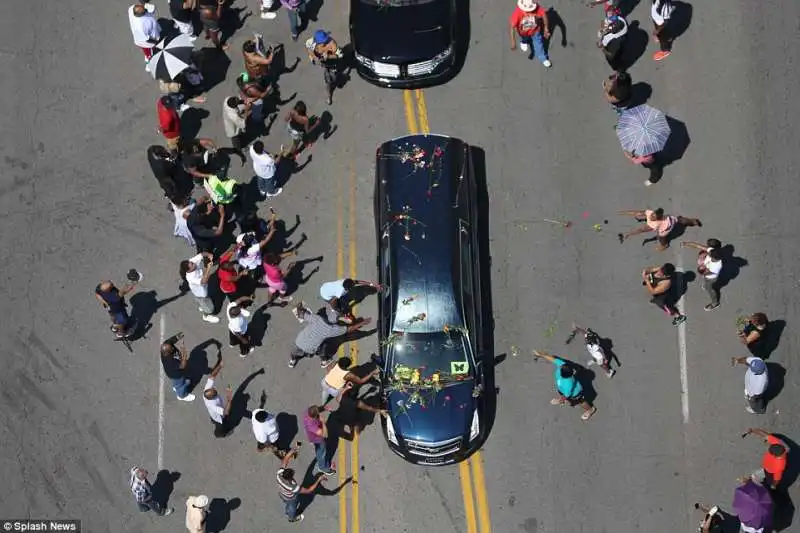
(665,226)
(773,462)
(529,22)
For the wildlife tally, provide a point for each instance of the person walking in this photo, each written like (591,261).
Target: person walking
(618,90)
(338,376)
(335,295)
(144,28)
(238,322)
(143,492)
(169,122)
(611,39)
(234,120)
(275,277)
(181,13)
(773,462)
(266,432)
(658,282)
(756,381)
(568,388)
(197,271)
(665,226)
(210,12)
(317,433)
(595,349)
(218,409)
(300,126)
(175,361)
(530,24)
(196,513)
(290,490)
(709,266)
(661,12)
(265,166)
(296,11)
(317,330)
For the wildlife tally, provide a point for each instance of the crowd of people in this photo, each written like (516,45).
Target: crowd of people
(239,256)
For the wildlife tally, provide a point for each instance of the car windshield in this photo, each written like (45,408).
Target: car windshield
(396,3)
(444,353)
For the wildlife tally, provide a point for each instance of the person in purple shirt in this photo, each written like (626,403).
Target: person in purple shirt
(317,432)
(296,9)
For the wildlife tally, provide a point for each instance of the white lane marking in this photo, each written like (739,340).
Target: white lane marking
(162,329)
(682,350)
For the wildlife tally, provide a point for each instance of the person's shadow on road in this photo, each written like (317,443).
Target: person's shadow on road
(163,486)
(219,513)
(240,399)
(198,366)
(144,305)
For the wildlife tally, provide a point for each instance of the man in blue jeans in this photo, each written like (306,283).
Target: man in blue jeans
(175,360)
(290,490)
(317,432)
(296,9)
(529,23)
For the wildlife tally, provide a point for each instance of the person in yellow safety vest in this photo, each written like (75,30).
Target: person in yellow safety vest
(221,191)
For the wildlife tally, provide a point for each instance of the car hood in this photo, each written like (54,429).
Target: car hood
(444,415)
(401,34)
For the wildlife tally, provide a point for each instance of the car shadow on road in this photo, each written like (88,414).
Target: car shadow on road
(485,343)
(219,513)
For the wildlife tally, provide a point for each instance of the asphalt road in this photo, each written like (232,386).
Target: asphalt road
(79,205)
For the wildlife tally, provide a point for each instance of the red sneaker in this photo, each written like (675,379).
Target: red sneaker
(661,54)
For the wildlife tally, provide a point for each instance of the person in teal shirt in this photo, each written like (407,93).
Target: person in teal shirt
(568,387)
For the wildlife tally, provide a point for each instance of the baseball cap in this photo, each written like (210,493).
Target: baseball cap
(200,501)
(321,37)
(757,366)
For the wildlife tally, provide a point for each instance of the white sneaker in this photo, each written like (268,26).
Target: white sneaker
(276,193)
(211,319)
(284,300)
(611,373)
(187,398)
(268,15)
(524,47)
(591,362)
(647,183)
(251,350)
(547,63)
(184,107)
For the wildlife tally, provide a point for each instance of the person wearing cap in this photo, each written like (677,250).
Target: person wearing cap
(756,380)
(143,493)
(773,462)
(265,430)
(144,28)
(196,513)
(323,50)
(529,23)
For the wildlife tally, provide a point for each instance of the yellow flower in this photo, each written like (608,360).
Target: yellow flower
(415,377)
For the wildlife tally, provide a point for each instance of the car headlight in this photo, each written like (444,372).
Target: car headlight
(475,429)
(367,62)
(390,431)
(443,55)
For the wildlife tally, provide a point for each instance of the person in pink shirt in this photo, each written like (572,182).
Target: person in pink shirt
(665,226)
(275,278)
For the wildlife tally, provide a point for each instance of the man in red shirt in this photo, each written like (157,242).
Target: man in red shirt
(773,462)
(169,122)
(529,22)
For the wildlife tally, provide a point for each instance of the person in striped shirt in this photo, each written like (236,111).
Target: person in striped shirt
(290,490)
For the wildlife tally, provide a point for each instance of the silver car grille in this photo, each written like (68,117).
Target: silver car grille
(434,449)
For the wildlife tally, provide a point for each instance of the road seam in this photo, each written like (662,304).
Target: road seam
(682,345)
(161,332)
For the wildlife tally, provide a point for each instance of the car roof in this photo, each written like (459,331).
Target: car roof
(422,230)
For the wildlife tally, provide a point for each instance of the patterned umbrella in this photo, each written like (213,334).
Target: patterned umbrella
(642,130)
(752,503)
(172,56)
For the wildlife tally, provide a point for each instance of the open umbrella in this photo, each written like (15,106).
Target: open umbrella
(642,130)
(752,503)
(172,56)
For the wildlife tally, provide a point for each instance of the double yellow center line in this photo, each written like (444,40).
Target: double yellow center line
(355,526)
(473,483)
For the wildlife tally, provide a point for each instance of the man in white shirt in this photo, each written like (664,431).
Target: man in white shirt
(144,28)
(265,430)
(661,12)
(265,166)
(218,409)
(238,320)
(197,271)
(334,293)
(756,381)
(709,266)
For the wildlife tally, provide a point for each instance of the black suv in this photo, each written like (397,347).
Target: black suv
(431,326)
(403,43)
